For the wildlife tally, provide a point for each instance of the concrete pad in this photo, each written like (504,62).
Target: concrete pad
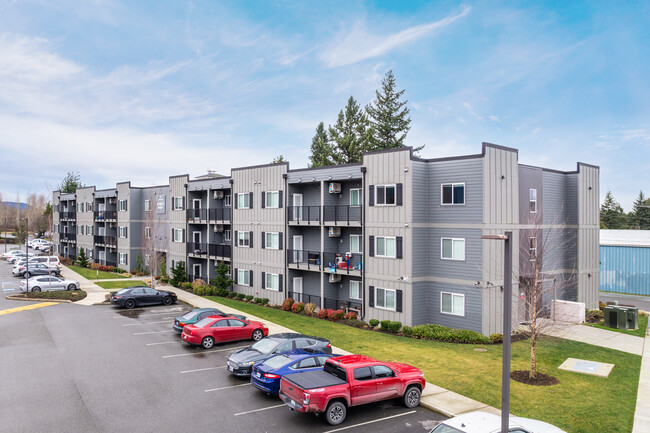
(593,368)
(431,389)
(597,337)
(451,404)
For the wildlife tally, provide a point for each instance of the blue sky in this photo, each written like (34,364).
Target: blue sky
(123,90)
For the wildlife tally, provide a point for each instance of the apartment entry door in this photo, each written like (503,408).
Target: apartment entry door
(297,288)
(297,207)
(196,206)
(297,248)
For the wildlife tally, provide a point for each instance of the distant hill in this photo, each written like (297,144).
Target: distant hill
(14,205)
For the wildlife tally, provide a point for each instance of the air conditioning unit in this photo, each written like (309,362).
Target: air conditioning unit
(334,278)
(111,225)
(112,200)
(335,188)
(218,194)
(334,232)
(218,228)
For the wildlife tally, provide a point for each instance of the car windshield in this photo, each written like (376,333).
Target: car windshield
(190,315)
(265,345)
(123,291)
(443,428)
(204,322)
(278,361)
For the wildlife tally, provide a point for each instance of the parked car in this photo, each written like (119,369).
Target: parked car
(11,253)
(197,314)
(266,374)
(138,296)
(36,242)
(13,258)
(482,422)
(220,329)
(240,363)
(31,269)
(46,260)
(46,283)
(351,380)
(44,248)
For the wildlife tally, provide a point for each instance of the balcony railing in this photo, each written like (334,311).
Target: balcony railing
(197,248)
(191,277)
(304,259)
(344,304)
(67,215)
(342,214)
(105,240)
(305,214)
(220,250)
(343,263)
(302,297)
(196,215)
(67,237)
(220,214)
(105,215)
(110,263)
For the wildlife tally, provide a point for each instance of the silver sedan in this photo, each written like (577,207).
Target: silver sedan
(46,283)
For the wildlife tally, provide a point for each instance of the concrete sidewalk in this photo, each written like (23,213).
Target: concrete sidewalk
(597,337)
(642,411)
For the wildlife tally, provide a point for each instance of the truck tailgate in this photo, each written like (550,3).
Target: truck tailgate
(313,379)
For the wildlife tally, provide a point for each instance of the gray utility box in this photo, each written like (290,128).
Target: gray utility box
(619,317)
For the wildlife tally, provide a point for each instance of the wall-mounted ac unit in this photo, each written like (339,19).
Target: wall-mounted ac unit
(218,228)
(334,278)
(335,188)
(218,194)
(334,232)
(111,225)
(112,200)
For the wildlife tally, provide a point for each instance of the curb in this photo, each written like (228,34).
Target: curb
(19,298)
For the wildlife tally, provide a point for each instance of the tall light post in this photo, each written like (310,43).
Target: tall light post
(507,327)
(26,253)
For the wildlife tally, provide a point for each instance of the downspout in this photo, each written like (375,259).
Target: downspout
(363,248)
(285,290)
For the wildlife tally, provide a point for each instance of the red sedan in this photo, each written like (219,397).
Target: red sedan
(219,329)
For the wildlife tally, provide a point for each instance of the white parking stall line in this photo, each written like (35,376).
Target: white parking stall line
(202,369)
(170,315)
(369,422)
(153,332)
(260,410)
(203,351)
(147,323)
(227,387)
(165,342)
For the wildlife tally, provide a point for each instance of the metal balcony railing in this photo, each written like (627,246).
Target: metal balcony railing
(67,237)
(220,214)
(343,262)
(105,215)
(194,215)
(303,297)
(305,214)
(197,248)
(305,259)
(105,240)
(342,214)
(220,250)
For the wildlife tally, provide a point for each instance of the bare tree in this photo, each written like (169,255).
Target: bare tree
(155,235)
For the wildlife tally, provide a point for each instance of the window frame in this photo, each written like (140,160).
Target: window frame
(383,196)
(359,242)
(245,240)
(275,279)
(358,284)
(532,248)
(243,274)
(227,235)
(80,207)
(122,258)
(177,203)
(532,200)
(266,199)
(394,238)
(246,199)
(122,232)
(453,185)
(147,205)
(147,232)
(267,243)
(89,230)
(453,295)
(358,191)
(177,231)
(227,200)
(122,206)
(453,240)
(384,307)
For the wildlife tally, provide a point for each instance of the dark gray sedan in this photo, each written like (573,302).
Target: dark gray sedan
(140,296)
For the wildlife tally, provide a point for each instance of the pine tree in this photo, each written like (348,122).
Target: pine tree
(321,150)
(70,182)
(178,275)
(611,214)
(640,215)
(82,258)
(222,281)
(351,135)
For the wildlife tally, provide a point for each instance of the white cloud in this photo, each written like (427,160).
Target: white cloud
(495,118)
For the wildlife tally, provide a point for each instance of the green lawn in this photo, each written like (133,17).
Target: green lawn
(119,284)
(580,403)
(643,323)
(95,275)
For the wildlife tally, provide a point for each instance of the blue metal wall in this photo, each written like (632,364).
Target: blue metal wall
(625,270)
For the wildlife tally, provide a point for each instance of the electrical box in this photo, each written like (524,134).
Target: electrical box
(218,228)
(334,232)
(335,188)
(334,278)
(218,194)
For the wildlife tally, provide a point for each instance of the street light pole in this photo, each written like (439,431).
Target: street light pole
(27,253)
(507,327)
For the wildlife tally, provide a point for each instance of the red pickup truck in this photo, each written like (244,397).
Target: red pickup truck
(351,380)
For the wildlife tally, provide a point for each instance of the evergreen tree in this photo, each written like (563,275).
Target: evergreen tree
(321,149)
(178,275)
(82,258)
(278,159)
(71,182)
(640,215)
(351,135)
(222,281)
(611,214)
(21,233)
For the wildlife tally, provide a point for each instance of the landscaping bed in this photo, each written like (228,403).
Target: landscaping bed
(58,295)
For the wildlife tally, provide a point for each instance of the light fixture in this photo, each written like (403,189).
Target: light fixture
(406,169)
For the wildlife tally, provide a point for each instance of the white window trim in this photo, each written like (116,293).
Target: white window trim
(227,236)
(241,272)
(394,297)
(246,237)
(174,233)
(452,304)
(147,205)
(452,194)
(359,237)
(266,199)
(147,232)
(121,232)
(394,246)
(122,259)
(89,230)
(360,199)
(266,240)
(227,200)
(531,200)
(377,194)
(531,249)
(277,279)
(359,292)
(177,203)
(452,249)
(247,194)
(121,206)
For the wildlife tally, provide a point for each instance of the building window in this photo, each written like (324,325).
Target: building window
(385,247)
(80,207)
(147,205)
(123,232)
(177,235)
(122,206)
(272,241)
(243,277)
(272,281)
(226,235)
(355,197)
(532,248)
(89,253)
(385,195)
(227,200)
(177,203)
(243,239)
(56,228)
(385,298)
(452,249)
(272,199)
(452,303)
(123,257)
(89,230)
(89,207)
(243,200)
(355,289)
(452,193)
(147,232)
(355,243)
(533,200)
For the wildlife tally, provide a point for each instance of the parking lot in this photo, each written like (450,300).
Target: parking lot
(103,369)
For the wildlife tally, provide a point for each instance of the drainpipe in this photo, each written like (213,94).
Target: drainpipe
(363,248)
(285,289)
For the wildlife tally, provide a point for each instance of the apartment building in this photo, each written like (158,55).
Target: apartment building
(394,237)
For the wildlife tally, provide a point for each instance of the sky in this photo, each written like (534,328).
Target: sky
(123,90)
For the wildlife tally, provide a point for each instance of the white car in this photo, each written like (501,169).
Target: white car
(11,253)
(15,257)
(34,242)
(483,422)
(44,283)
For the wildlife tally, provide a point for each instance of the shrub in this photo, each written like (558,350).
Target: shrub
(197,283)
(257,300)
(110,268)
(351,315)
(407,331)
(230,294)
(335,315)
(94,266)
(156,277)
(240,296)
(187,286)
(394,326)
(199,291)
(373,323)
(601,305)
(249,298)
(164,280)
(356,323)
(496,338)
(287,304)
(210,290)
(310,308)
(133,271)
(178,274)
(384,325)
(118,271)
(297,307)
(449,335)
(594,316)
(126,274)
(323,313)
(265,301)
(220,291)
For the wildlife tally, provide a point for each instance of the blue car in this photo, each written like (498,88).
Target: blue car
(266,374)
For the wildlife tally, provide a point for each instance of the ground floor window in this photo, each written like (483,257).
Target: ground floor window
(385,298)
(243,277)
(452,303)
(355,289)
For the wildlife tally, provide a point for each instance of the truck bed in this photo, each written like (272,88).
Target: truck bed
(314,379)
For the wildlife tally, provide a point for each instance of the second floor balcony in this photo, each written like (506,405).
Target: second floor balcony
(202,250)
(342,215)
(304,215)
(105,215)
(108,241)
(67,216)
(197,216)
(68,237)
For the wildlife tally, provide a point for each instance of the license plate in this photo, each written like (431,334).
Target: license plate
(257,373)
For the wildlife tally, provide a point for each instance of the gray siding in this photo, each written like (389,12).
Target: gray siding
(324,174)
(530,178)
(427,254)
(471,320)
(420,304)
(556,200)
(467,171)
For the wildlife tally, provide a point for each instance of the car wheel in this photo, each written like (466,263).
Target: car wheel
(130,303)
(335,413)
(411,397)
(257,335)
(52,273)
(27,275)
(72,287)
(167,300)
(36,289)
(207,342)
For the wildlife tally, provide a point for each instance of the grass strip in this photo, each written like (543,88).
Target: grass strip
(95,275)
(119,284)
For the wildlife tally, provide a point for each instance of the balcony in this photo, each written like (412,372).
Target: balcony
(105,215)
(342,215)
(343,263)
(67,216)
(346,305)
(220,251)
(304,215)
(220,215)
(302,297)
(105,241)
(197,216)
(197,249)
(304,259)
(68,237)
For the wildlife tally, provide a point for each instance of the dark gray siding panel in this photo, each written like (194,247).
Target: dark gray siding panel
(530,178)
(420,257)
(420,303)
(421,194)
(554,197)
(310,194)
(336,173)
(470,268)
(473,306)
(310,238)
(469,171)
(572,198)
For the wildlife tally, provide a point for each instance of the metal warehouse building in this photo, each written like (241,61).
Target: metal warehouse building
(625,261)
